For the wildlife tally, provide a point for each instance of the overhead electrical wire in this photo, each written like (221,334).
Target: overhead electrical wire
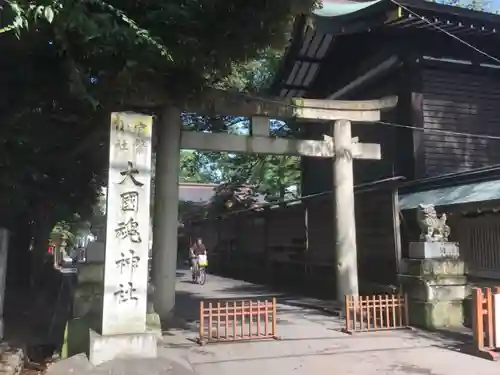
(426,130)
(440,131)
(451,35)
(392,124)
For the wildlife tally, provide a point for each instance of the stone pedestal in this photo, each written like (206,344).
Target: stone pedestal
(105,348)
(433,250)
(436,287)
(95,251)
(87,309)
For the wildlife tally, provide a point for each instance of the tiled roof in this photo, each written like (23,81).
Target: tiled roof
(312,43)
(202,193)
(193,192)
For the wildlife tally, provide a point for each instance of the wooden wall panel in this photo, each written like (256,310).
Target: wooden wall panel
(465,103)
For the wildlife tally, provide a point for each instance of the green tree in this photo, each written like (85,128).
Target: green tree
(70,62)
(200,167)
(232,197)
(136,49)
(270,174)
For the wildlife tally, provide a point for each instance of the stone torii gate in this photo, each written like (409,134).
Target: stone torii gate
(171,140)
(123,324)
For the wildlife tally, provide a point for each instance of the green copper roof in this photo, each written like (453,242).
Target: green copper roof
(470,193)
(334,8)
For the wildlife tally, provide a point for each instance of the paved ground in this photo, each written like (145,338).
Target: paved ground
(311,342)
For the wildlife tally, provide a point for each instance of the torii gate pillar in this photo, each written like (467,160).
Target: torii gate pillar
(346,254)
(165,217)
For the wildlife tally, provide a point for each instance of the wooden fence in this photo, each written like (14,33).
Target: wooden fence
(237,320)
(483,323)
(375,313)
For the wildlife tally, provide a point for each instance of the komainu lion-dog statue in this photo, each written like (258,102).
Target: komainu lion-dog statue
(432,227)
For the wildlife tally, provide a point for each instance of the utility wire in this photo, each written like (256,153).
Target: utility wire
(426,130)
(392,124)
(433,24)
(440,131)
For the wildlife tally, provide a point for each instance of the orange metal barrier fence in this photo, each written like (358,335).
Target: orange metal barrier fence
(483,322)
(238,320)
(375,313)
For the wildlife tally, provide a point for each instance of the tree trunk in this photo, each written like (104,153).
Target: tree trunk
(281,182)
(18,258)
(41,232)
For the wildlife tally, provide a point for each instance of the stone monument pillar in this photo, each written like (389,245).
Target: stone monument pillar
(111,296)
(434,277)
(124,301)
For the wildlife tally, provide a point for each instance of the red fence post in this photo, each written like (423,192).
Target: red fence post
(482,310)
(202,322)
(212,314)
(275,335)
(489,318)
(347,314)
(407,312)
(375,313)
(477,321)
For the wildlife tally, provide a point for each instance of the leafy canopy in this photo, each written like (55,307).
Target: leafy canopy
(270,175)
(143,47)
(71,61)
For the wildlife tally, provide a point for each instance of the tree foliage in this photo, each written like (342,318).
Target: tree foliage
(232,197)
(136,47)
(480,5)
(68,63)
(62,235)
(271,175)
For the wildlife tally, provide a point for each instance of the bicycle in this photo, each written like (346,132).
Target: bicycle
(201,277)
(200,273)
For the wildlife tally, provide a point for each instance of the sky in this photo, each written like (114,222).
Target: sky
(332,7)
(495,5)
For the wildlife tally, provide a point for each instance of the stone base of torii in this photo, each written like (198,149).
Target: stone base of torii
(117,316)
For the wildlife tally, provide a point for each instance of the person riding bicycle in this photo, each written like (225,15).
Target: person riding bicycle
(197,249)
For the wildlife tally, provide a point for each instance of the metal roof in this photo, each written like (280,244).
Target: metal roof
(313,50)
(311,45)
(447,22)
(315,43)
(333,8)
(197,193)
(470,193)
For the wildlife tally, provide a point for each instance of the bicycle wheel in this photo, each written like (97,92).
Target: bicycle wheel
(202,276)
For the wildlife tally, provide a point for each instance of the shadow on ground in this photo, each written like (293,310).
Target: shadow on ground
(330,352)
(255,292)
(187,306)
(456,340)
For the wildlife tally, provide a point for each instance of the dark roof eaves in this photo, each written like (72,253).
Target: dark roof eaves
(477,175)
(417,5)
(450,10)
(290,56)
